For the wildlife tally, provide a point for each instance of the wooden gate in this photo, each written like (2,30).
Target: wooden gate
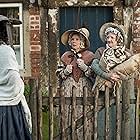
(126,108)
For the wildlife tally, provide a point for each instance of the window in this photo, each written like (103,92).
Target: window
(14,10)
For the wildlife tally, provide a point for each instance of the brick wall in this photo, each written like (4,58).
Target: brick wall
(35,46)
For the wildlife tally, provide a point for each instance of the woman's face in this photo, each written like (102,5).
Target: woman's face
(111,39)
(75,42)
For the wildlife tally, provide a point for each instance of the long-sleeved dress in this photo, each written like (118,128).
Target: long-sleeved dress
(74,84)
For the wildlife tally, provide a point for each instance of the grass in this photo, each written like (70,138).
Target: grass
(45,130)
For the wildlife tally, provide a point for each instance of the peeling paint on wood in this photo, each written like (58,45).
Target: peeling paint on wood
(86,2)
(63,3)
(71,2)
(52,13)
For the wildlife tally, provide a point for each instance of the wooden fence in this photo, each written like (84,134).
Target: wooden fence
(123,104)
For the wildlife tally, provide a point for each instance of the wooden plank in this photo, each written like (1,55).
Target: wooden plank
(118,115)
(79,101)
(74,113)
(95,123)
(79,122)
(9,1)
(126,110)
(39,114)
(50,113)
(63,121)
(84,113)
(33,107)
(137,114)
(107,129)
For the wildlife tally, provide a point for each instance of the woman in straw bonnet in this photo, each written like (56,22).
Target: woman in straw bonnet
(75,72)
(15,117)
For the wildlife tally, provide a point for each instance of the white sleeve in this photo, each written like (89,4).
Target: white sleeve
(27,113)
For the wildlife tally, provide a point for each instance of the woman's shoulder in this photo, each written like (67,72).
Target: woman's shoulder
(100,49)
(6,50)
(99,52)
(87,52)
(66,54)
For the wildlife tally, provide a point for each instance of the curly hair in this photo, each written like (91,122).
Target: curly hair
(82,39)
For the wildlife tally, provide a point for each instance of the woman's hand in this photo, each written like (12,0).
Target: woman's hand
(114,77)
(82,65)
(68,70)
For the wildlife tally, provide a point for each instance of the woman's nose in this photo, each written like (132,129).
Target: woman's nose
(73,41)
(109,38)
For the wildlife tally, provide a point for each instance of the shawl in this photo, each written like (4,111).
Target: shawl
(126,70)
(111,57)
(11,84)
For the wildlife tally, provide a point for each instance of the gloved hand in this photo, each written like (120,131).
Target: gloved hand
(68,70)
(82,65)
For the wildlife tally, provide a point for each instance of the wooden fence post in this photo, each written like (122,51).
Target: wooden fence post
(126,110)
(39,112)
(96,114)
(85,94)
(33,106)
(73,114)
(137,114)
(107,128)
(50,113)
(118,115)
(63,119)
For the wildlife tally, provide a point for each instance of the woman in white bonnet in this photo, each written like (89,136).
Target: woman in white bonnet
(15,116)
(112,54)
(75,73)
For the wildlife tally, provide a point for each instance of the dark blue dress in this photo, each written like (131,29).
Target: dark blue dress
(13,125)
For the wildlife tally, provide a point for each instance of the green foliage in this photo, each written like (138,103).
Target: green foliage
(45,130)
(27,89)
(44,92)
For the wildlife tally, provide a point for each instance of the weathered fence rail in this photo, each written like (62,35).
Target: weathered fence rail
(98,102)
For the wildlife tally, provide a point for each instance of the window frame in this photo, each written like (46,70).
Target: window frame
(20,6)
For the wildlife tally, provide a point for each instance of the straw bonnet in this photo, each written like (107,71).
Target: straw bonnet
(82,31)
(103,28)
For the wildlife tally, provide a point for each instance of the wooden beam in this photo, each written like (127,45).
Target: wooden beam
(10,1)
(129,2)
(79,101)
